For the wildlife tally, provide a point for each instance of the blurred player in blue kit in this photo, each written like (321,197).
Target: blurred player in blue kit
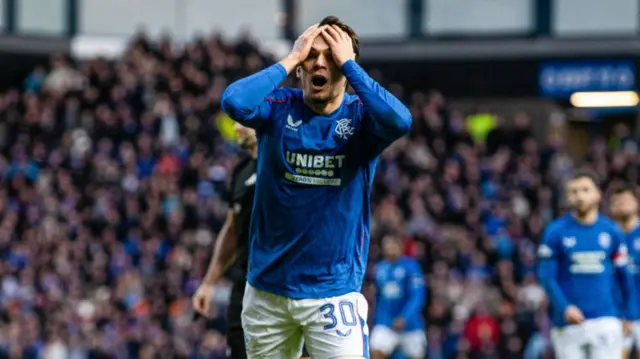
(582,264)
(400,297)
(309,234)
(624,209)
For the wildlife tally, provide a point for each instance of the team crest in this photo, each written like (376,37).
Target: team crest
(569,241)
(344,129)
(604,239)
(398,273)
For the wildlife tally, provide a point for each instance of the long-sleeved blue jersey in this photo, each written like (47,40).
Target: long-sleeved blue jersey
(633,243)
(585,265)
(401,293)
(311,213)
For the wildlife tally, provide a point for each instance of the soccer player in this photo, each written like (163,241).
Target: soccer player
(582,263)
(309,233)
(624,209)
(399,301)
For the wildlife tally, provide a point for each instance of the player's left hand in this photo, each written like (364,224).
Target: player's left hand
(398,324)
(340,44)
(627,326)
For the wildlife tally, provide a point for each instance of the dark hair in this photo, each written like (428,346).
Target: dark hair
(355,41)
(586,173)
(622,189)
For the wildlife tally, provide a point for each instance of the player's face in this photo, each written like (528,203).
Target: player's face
(246,137)
(391,248)
(583,195)
(322,80)
(623,205)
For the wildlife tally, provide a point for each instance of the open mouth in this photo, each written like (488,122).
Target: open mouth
(318,81)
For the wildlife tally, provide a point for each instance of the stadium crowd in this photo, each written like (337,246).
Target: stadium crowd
(114,175)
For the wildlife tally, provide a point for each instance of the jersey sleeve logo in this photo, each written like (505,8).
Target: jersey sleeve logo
(621,257)
(291,125)
(544,251)
(344,128)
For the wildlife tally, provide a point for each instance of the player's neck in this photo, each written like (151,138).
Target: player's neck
(629,224)
(327,107)
(587,218)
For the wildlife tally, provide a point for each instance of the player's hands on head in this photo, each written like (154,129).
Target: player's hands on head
(573,315)
(202,299)
(340,43)
(302,46)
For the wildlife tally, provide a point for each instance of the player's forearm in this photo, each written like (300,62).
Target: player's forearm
(224,251)
(547,271)
(288,64)
(391,118)
(415,304)
(242,98)
(628,288)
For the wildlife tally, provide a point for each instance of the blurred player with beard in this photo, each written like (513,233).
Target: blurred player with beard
(582,264)
(624,210)
(310,228)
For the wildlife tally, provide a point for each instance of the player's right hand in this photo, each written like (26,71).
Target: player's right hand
(573,315)
(398,324)
(202,299)
(302,46)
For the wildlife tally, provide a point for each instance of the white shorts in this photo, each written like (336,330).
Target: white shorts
(276,327)
(413,344)
(600,338)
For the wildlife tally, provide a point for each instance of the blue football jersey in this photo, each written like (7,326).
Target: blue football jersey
(309,234)
(633,243)
(400,293)
(584,265)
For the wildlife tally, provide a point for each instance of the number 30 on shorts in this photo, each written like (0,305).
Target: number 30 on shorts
(347,314)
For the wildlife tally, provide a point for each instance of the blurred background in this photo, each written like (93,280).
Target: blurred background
(115,158)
